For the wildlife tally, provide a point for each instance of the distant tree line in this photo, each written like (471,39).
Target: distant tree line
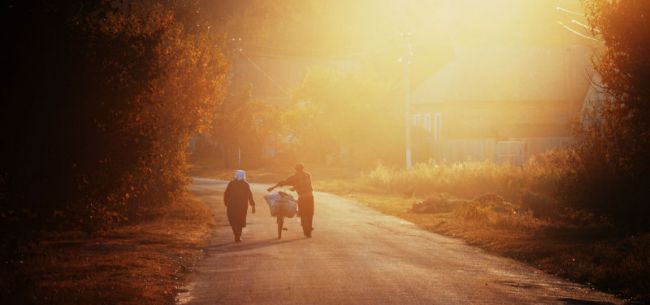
(99,102)
(334,117)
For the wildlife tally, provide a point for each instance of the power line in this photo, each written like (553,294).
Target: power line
(263,54)
(568,28)
(343,53)
(584,25)
(267,75)
(569,11)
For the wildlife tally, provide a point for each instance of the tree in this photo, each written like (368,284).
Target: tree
(244,127)
(614,148)
(102,99)
(346,117)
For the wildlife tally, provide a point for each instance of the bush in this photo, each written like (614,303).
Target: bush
(102,99)
(613,164)
(437,204)
(540,205)
(494,211)
(545,174)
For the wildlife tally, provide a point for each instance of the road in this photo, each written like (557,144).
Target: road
(359,256)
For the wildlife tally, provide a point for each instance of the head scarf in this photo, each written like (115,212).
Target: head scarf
(240,175)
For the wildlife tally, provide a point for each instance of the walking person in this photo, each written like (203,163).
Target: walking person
(301,184)
(237,197)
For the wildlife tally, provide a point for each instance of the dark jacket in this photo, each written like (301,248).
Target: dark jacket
(301,183)
(237,197)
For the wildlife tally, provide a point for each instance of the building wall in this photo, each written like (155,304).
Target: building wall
(460,150)
(496,131)
(499,120)
(514,151)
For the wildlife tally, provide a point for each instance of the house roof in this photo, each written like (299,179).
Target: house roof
(530,74)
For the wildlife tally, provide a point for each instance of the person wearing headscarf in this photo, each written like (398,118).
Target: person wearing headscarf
(237,197)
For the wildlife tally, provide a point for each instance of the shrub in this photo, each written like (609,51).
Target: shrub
(613,164)
(545,174)
(540,205)
(102,99)
(493,211)
(437,204)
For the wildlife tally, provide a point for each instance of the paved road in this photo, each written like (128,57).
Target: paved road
(359,256)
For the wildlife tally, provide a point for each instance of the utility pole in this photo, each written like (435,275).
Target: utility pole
(406,62)
(237,51)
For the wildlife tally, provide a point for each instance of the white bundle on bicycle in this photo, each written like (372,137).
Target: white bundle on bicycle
(281,204)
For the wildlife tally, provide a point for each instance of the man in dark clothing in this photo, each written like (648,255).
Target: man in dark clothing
(236,198)
(301,183)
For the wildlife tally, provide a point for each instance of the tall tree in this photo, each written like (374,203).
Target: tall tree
(101,101)
(243,129)
(615,146)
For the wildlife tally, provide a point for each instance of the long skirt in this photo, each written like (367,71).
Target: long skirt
(237,216)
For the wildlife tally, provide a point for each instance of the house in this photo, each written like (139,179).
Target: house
(503,103)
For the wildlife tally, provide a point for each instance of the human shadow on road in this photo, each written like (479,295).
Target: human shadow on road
(204,181)
(571,301)
(244,246)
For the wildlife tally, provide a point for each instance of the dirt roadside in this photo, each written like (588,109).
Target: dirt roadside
(359,256)
(592,255)
(137,264)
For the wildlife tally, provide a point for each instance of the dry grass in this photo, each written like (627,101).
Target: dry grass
(542,175)
(529,224)
(520,219)
(497,225)
(139,264)
(620,265)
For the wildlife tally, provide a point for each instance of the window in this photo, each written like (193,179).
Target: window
(415,119)
(437,118)
(422,120)
(426,122)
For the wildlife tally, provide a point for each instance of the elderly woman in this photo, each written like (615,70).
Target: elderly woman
(237,197)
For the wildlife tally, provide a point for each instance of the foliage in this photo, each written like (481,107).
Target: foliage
(615,265)
(572,244)
(345,118)
(544,174)
(102,100)
(348,115)
(612,165)
(241,126)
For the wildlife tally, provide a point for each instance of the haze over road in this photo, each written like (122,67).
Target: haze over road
(359,256)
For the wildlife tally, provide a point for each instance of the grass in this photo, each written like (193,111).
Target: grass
(491,227)
(510,211)
(137,264)
(542,175)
